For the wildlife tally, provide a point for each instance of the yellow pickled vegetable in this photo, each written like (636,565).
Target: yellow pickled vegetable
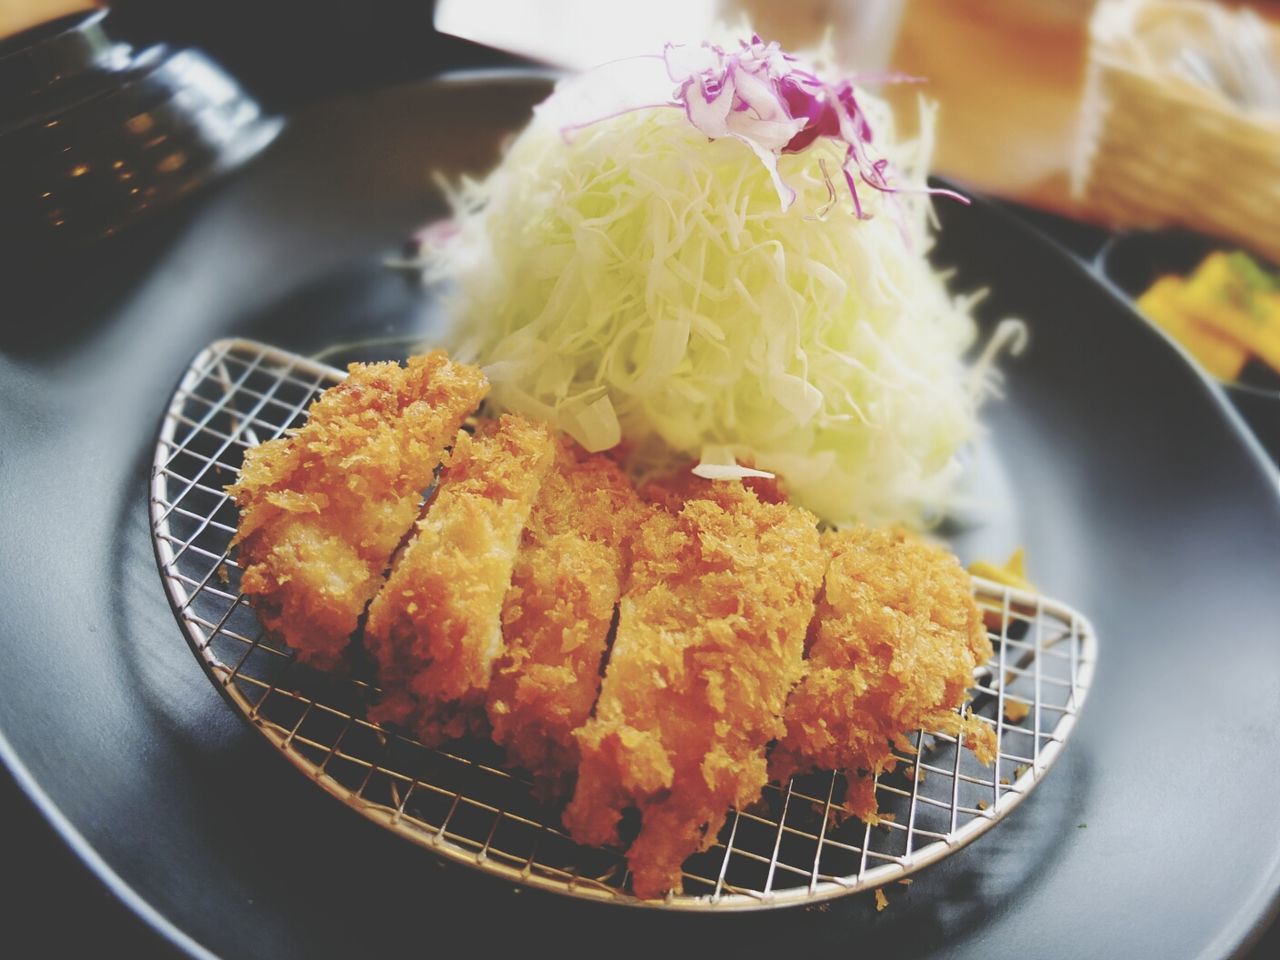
(1236,297)
(1013,573)
(1219,354)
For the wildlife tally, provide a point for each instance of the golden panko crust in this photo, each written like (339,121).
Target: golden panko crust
(323,508)
(892,649)
(737,624)
(710,638)
(556,617)
(435,628)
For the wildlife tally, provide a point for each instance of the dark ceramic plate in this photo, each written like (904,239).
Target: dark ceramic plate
(1133,261)
(1139,498)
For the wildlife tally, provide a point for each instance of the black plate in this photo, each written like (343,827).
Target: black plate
(1134,261)
(1135,491)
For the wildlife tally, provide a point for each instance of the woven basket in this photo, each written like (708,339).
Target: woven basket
(1157,148)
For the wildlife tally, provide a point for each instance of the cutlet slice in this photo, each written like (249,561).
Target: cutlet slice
(892,650)
(710,638)
(435,628)
(323,508)
(568,576)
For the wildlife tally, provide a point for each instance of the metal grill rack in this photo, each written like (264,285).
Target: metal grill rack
(789,848)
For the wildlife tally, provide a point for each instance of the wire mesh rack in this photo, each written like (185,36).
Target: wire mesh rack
(460,801)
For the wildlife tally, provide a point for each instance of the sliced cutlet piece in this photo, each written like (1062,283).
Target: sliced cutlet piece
(435,628)
(323,508)
(892,650)
(568,576)
(710,639)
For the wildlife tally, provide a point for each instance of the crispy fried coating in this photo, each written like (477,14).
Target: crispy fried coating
(435,628)
(892,649)
(568,575)
(323,508)
(710,639)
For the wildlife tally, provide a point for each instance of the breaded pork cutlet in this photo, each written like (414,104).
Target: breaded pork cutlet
(892,650)
(435,628)
(710,638)
(323,508)
(568,576)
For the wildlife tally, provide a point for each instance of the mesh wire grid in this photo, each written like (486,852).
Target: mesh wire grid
(790,847)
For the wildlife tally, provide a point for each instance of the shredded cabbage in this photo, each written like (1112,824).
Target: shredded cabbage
(637,281)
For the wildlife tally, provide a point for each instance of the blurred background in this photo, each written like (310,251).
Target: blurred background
(1009,74)
(1143,135)
(1099,119)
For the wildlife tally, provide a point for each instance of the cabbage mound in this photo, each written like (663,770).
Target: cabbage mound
(633,281)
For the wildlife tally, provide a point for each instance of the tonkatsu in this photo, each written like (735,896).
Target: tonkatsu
(323,508)
(569,573)
(710,639)
(892,650)
(435,628)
